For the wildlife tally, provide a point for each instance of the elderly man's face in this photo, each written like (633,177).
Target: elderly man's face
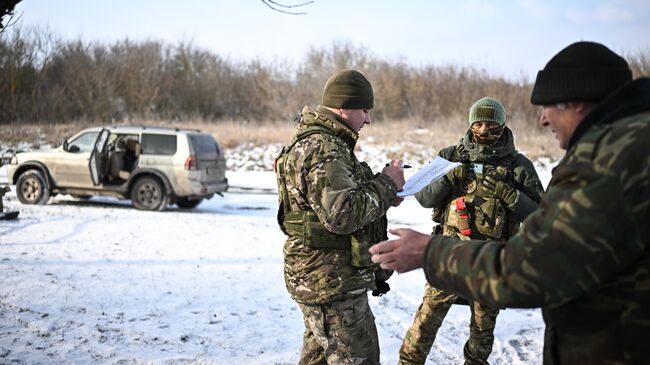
(563,119)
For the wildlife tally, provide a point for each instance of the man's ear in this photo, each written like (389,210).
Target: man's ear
(582,108)
(578,106)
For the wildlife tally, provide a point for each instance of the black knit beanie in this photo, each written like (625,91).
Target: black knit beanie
(348,89)
(583,71)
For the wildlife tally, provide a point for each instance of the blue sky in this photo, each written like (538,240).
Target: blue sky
(509,38)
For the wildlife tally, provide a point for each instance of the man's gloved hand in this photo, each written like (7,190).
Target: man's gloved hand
(498,189)
(381,276)
(382,288)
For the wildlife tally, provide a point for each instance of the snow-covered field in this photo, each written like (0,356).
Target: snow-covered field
(100,282)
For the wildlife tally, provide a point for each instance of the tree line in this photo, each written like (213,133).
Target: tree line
(46,79)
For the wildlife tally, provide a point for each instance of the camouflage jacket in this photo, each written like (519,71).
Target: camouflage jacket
(323,176)
(584,255)
(520,173)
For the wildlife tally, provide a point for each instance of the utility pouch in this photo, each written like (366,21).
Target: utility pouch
(491,218)
(363,239)
(307,226)
(359,255)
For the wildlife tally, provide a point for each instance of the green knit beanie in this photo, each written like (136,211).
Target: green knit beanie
(348,89)
(487,109)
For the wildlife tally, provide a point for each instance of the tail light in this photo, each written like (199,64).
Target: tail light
(190,163)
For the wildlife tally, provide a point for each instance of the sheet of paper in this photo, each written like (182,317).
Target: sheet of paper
(434,170)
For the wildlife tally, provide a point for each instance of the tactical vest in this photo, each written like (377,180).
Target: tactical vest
(469,214)
(305,224)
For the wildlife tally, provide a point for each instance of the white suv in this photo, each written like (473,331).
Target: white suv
(151,166)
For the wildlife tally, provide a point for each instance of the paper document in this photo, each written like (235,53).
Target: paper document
(434,170)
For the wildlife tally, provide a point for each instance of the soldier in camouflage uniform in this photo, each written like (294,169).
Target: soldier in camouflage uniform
(486,197)
(584,255)
(332,208)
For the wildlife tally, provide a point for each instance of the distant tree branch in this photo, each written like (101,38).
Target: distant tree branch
(279,7)
(7,10)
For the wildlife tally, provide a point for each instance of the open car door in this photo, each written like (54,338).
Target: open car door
(98,157)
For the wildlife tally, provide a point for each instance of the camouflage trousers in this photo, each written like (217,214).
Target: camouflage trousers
(341,332)
(428,318)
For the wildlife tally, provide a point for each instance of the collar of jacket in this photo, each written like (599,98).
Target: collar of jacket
(324,117)
(490,154)
(631,98)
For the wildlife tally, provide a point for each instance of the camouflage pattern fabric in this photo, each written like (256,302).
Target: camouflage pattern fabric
(584,255)
(428,319)
(341,332)
(323,175)
(464,182)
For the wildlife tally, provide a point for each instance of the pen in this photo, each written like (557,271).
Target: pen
(403,166)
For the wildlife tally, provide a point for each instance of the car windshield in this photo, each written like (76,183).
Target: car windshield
(85,142)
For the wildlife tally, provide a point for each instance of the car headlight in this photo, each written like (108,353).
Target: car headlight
(14,160)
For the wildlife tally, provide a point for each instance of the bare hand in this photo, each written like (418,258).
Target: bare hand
(395,172)
(403,254)
(398,201)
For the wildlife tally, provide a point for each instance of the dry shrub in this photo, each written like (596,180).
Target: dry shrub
(405,137)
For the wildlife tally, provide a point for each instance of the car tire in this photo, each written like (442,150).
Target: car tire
(148,193)
(187,203)
(31,188)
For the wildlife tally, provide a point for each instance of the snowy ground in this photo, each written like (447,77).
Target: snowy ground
(100,282)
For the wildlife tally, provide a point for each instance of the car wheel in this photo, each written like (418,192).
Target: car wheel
(149,194)
(32,188)
(187,203)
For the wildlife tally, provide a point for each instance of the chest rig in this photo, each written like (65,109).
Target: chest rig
(469,214)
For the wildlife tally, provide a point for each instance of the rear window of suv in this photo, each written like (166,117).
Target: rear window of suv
(158,144)
(204,144)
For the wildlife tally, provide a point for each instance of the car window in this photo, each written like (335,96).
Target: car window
(84,142)
(204,144)
(158,144)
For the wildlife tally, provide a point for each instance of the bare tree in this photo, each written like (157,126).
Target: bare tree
(282,8)
(7,10)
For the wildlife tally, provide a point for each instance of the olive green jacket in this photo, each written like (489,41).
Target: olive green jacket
(521,175)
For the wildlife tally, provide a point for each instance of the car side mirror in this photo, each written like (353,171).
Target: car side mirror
(65,144)
(73,148)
